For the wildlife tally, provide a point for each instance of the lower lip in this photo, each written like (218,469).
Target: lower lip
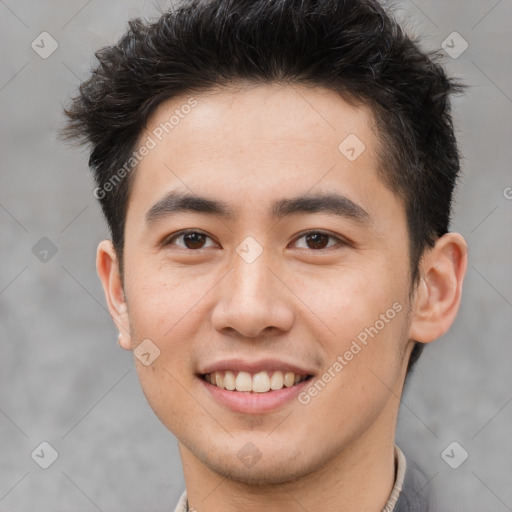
(254,403)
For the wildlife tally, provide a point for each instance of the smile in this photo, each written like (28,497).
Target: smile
(261,382)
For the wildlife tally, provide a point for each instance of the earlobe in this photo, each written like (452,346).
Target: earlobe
(107,266)
(438,294)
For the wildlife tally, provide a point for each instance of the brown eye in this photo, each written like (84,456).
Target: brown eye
(192,240)
(318,240)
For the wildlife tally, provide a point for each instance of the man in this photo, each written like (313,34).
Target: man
(277,177)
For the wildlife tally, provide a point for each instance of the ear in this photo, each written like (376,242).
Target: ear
(439,291)
(107,266)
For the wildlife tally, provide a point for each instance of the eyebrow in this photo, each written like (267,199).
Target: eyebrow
(330,203)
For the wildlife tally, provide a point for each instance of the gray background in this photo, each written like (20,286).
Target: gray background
(65,381)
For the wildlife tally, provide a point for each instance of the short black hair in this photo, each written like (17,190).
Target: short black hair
(353,47)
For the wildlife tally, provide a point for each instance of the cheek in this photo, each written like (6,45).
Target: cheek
(162,301)
(164,311)
(352,299)
(365,311)
(165,391)
(362,366)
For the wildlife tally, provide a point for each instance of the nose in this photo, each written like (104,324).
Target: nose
(252,300)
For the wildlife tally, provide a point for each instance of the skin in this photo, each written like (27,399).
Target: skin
(249,146)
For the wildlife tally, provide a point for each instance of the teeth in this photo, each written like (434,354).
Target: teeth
(258,383)
(289,379)
(243,381)
(276,381)
(261,382)
(229,381)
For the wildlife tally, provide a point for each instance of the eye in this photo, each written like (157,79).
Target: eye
(317,240)
(192,239)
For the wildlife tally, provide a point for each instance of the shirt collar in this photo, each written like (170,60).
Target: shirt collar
(400,465)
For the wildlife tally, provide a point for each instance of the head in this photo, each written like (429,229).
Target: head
(249,106)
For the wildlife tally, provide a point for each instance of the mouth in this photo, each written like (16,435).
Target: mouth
(254,387)
(260,382)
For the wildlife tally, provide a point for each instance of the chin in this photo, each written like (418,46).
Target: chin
(281,468)
(262,476)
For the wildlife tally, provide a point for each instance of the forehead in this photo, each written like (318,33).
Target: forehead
(248,143)
(268,113)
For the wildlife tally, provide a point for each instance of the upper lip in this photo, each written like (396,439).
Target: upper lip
(260,365)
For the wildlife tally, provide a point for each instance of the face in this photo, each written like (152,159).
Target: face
(290,274)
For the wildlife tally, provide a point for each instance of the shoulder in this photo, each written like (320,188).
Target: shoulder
(414,496)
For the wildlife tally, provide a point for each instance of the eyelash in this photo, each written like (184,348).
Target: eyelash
(301,235)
